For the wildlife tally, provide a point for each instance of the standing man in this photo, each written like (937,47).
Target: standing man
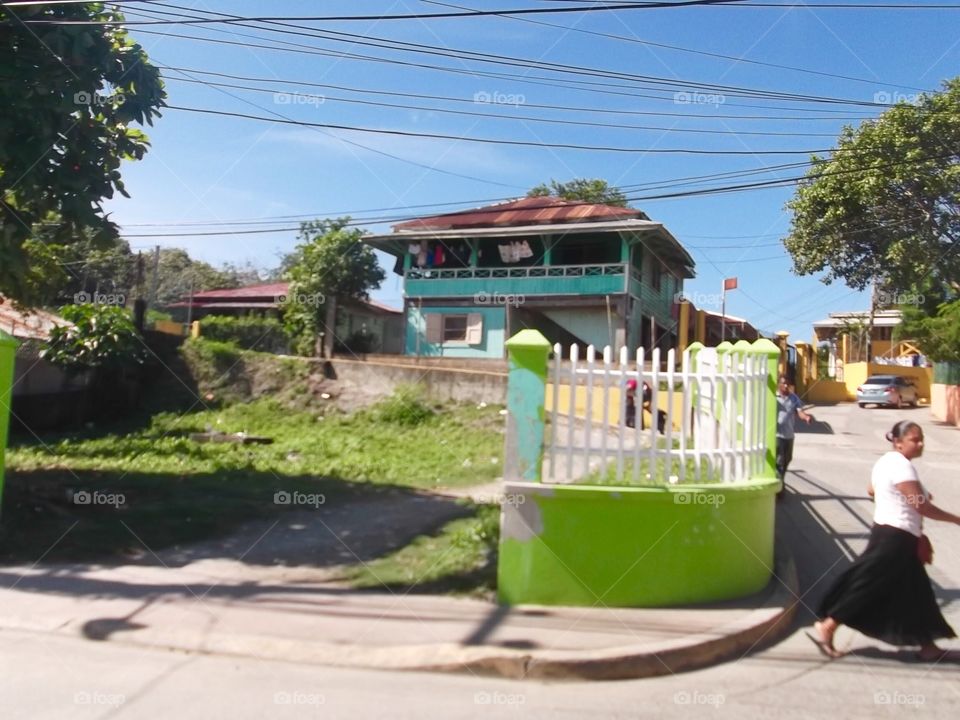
(789,408)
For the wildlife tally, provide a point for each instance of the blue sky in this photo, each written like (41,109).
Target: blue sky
(215,169)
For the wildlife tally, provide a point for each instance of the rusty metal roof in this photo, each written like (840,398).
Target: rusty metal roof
(269,290)
(525,211)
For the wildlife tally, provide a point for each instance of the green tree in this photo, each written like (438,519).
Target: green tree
(885,207)
(68,97)
(582,189)
(179,275)
(100,338)
(330,264)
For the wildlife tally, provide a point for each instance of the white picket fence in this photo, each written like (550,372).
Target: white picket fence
(720,436)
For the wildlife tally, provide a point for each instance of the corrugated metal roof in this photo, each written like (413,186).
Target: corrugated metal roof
(33,324)
(526,211)
(252,291)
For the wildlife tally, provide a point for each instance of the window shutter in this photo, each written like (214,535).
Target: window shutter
(474,329)
(434,327)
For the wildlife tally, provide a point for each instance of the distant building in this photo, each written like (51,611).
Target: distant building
(580,273)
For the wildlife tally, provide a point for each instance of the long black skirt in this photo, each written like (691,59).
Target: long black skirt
(886,593)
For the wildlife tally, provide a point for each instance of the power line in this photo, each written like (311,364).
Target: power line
(525,118)
(520,143)
(462,54)
(566,108)
(679,4)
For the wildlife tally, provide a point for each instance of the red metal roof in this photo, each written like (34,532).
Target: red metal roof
(526,211)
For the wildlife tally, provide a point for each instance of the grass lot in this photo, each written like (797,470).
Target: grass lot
(461,558)
(156,488)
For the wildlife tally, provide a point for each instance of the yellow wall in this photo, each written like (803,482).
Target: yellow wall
(825,392)
(168,327)
(613,410)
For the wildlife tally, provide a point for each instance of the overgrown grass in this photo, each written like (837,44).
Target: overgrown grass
(460,558)
(179,491)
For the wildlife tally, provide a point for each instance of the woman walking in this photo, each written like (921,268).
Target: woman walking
(886,593)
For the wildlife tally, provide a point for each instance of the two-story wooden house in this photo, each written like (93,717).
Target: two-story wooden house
(580,273)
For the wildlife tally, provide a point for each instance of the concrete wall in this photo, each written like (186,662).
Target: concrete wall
(945,403)
(635,546)
(377,377)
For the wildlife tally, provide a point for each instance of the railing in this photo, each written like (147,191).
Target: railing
(716,415)
(532,271)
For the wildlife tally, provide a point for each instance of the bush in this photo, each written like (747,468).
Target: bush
(405,407)
(265,334)
(101,338)
(359,342)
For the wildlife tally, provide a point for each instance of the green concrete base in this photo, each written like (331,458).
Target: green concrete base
(633,546)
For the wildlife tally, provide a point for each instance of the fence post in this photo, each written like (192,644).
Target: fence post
(527,351)
(8,357)
(770,350)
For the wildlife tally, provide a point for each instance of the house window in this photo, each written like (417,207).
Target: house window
(454,328)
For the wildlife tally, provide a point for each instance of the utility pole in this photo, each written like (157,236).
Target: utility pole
(155,280)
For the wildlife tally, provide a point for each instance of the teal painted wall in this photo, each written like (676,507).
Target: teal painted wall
(635,547)
(494,331)
(588,324)
(530,286)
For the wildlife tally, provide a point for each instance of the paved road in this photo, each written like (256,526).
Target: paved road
(824,518)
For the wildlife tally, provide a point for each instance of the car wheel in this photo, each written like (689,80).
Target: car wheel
(862,404)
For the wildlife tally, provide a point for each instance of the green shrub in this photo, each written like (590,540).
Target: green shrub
(265,334)
(101,338)
(405,407)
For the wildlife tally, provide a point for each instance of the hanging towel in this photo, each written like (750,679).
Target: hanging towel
(422,254)
(523,250)
(439,258)
(413,248)
(506,252)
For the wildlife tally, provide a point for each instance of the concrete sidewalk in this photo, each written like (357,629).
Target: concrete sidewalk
(195,609)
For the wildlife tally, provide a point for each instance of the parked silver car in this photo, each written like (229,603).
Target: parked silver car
(887,390)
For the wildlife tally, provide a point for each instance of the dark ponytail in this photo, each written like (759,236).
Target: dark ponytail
(901,429)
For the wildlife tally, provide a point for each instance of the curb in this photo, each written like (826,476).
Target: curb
(762,626)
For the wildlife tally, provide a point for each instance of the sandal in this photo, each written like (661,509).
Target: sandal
(826,649)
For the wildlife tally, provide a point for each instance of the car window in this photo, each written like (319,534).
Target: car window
(878,381)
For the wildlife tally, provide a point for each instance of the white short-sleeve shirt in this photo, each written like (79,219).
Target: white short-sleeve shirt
(891,506)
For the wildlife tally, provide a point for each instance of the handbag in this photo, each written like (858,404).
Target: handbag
(924,550)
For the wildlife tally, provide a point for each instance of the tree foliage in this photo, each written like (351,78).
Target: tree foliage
(331,263)
(582,189)
(179,274)
(68,97)
(885,207)
(100,338)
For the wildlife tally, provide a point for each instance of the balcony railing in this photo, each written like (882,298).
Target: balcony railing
(533,271)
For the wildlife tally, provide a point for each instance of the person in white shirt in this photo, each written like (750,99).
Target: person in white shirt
(886,593)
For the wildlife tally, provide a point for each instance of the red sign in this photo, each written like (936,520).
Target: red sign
(730,284)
